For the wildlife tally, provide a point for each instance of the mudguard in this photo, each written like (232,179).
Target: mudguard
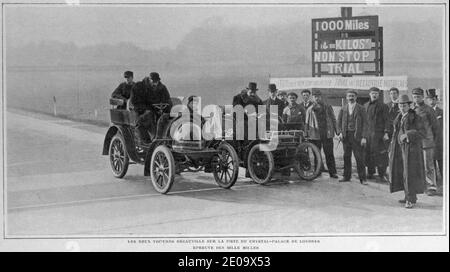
(127,136)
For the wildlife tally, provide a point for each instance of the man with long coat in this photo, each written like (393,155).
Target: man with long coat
(273,100)
(406,164)
(352,131)
(393,108)
(431,126)
(377,142)
(144,95)
(321,128)
(432,99)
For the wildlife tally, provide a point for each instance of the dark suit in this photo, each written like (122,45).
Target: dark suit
(352,138)
(123,91)
(438,154)
(304,106)
(143,96)
(393,112)
(378,124)
(276,102)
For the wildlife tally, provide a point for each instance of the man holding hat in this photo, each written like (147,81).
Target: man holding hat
(377,141)
(123,91)
(432,99)
(273,100)
(431,126)
(352,131)
(321,128)
(406,163)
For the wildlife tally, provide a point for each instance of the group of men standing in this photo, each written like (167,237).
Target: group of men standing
(379,135)
(404,135)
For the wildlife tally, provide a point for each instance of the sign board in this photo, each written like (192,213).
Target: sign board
(359,83)
(347,46)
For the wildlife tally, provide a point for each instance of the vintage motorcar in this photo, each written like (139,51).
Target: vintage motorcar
(282,149)
(174,153)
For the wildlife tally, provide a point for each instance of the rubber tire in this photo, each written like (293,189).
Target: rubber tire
(171,169)
(251,171)
(118,137)
(317,155)
(235,160)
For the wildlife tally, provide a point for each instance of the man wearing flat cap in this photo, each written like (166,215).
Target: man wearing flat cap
(321,128)
(144,95)
(431,126)
(432,100)
(123,91)
(377,142)
(352,131)
(406,163)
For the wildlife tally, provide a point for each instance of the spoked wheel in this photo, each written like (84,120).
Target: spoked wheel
(308,161)
(162,169)
(226,166)
(260,164)
(118,156)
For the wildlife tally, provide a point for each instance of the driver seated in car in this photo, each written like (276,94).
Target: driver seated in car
(144,95)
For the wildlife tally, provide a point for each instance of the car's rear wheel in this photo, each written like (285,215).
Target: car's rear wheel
(260,164)
(118,156)
(308,161)
(162,169)
(226,166)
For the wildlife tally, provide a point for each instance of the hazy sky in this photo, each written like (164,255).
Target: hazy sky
(153,27)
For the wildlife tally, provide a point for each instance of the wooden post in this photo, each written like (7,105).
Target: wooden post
(54,105)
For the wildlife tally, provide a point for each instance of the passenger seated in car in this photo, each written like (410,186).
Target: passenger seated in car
(293,112)
(144,95)
(123,91)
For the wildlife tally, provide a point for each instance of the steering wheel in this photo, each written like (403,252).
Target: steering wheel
(160,107)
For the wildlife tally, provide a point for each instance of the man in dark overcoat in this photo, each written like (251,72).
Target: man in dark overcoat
(321,128)
(393,108)
(352,131)
(406,163)
(432,100)
(273,100)
(377,142)
(144,95)
(123,91)
(431,126)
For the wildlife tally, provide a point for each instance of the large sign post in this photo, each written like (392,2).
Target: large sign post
(347,46)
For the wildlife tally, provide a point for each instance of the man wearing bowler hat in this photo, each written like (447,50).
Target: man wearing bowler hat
(432,100)
(377,142)
(144,95)
(123,91)
(431,126)
(273,100)
(406,164)
(248,96)
(352,131)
